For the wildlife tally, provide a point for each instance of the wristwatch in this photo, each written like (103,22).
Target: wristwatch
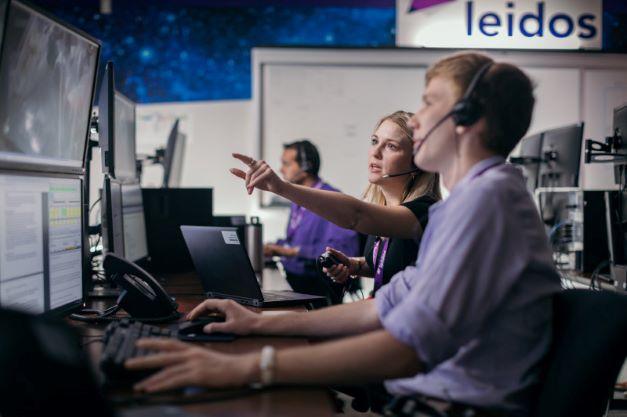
(266,365)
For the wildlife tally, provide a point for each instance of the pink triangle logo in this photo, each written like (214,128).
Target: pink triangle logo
(423,4)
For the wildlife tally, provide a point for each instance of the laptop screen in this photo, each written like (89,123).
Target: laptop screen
(221,261)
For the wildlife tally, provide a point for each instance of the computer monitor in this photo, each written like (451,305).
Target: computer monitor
(47,76)
(41,242)
(116,130)
(123,222)
(134,223)
(530,148)
(112,221)
(173,159)
(125,150)
(561,152)
(620,127)
(106,119)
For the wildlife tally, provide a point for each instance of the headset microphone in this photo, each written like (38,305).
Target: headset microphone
(400,174)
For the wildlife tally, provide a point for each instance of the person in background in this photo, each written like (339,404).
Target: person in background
(307,233)
(394,181)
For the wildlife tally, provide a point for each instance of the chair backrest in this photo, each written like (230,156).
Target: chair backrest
(589,347)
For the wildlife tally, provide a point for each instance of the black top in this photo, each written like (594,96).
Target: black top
(401,252)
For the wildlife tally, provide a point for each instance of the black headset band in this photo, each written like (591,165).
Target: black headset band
(476,80)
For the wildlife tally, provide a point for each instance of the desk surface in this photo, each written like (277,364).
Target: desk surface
(275,402)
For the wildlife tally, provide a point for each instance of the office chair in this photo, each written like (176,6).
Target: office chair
(588,350)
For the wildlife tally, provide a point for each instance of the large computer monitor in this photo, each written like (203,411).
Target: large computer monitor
(47,77)
(116,130)
(173,158)
(41,242)
(561,151)
(530,148)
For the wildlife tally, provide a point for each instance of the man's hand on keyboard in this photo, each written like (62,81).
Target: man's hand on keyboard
(237,319)
(184,365)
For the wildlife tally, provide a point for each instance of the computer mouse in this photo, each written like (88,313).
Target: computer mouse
(197,326)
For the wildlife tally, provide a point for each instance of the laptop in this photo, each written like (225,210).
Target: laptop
(226,272)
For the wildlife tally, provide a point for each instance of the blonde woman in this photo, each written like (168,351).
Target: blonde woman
(390,153)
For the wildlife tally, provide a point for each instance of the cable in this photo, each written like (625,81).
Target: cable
(594,285)
(97,317)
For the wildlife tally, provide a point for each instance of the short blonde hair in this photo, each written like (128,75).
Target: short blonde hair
(505,94)
(419,184)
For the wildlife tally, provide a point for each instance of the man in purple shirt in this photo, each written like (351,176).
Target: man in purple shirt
(471,322)
(307,233)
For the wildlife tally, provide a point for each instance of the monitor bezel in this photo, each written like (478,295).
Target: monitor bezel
(85,264)
(47,165)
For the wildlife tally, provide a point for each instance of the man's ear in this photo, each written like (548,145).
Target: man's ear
(478,126)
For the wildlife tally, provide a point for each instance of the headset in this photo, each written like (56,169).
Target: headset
(307,157)
(465,112)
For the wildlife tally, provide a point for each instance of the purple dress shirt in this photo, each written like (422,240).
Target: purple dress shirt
(312,234)
(477,306)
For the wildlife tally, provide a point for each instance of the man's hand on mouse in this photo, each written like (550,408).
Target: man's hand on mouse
(237,319)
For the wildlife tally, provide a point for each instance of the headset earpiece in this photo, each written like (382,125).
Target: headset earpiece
(303,158)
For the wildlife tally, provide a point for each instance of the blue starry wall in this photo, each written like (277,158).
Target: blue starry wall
(192,50)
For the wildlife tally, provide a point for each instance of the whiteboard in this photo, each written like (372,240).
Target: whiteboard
(326,110)
(335,97)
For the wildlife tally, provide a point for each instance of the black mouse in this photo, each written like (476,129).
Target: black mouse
(197,326)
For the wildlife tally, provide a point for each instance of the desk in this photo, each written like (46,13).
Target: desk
(275,402)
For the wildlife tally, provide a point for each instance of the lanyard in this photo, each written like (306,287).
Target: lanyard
(296,217)
(380,256)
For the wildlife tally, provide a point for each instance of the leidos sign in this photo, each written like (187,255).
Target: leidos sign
(522,24)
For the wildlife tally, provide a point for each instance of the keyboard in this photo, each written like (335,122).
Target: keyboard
(120,338)
(119,345)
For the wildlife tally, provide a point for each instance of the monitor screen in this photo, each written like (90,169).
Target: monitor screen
(124,147)
(176,167)
(561,149)
(620,126)
(47,74)
(134,224)
(41,249)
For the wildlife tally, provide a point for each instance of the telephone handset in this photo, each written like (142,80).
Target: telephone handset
(142,296)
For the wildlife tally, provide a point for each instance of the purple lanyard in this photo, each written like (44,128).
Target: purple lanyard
(378,275)
(296,217)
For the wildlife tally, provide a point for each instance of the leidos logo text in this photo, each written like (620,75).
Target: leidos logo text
(530,24)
